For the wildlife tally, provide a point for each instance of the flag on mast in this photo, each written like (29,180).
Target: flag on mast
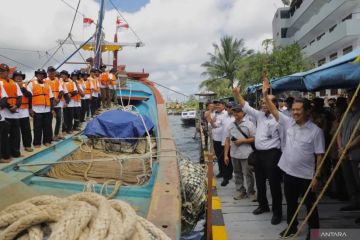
(120,25)
(87,21)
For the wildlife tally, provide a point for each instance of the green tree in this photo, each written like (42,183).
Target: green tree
(223,66)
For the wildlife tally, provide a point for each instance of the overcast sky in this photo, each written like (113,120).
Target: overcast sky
(177,34)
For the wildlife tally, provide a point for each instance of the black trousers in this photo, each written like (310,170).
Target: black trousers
(294,188)
(68,119)
(266,168)
(4,137)
(77,113)
(85,104)
(12,146)
(225,171)
(93,105)
(42,128)
(25,131)
(58,118)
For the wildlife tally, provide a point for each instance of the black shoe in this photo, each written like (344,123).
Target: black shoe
(289,234)
(350,208)
(276,219)
(261,210)
(219,176)
(224,182)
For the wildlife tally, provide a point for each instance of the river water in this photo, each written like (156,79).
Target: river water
(183,136)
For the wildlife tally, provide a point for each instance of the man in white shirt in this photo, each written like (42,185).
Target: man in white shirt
(267,144)
(217,124)
(3,128)
(11,147)
(239,135)
(305,146)
(42,105)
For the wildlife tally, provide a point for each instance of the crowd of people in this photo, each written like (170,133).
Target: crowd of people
(70,99)
(284,142)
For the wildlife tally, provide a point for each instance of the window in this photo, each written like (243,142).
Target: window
(284,14)
(312,41)
(333,91)
(332,28)
(347,50)
(333,56)
(320,36)
(321,62)
(283,32)
(323,93)
(347,17)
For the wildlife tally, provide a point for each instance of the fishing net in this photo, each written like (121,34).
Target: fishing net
(194,193)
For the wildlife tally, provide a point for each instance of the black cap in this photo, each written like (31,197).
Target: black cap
(41,71)
(4,67)
(113,70)
(237,108)
(84,73)
(19,73)
(51,69)
(64,72)
(75,73)
(218,102)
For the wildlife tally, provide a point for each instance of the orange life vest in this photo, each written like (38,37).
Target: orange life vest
(113,79)
(24,100)
(71,87)
(87,89)
(104,78)
(95,84)
(55,86)
(11,90)
(40,94)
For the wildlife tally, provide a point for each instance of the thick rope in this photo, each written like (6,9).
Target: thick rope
(80,216)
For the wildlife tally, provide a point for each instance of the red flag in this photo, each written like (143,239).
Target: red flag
(120,24)
(87,21)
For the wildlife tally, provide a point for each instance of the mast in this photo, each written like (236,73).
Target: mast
(98,35)
(115,61)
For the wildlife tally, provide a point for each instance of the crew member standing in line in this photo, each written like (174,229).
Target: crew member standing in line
(11,146)
(3,128)
(24,116)
(267,144)
(85,100)
(112,86)
(68,112)
(74,97)
(217,124)
(57,90)
(75,77)
(304,148)
(95,92)
(104,86)
(42,106)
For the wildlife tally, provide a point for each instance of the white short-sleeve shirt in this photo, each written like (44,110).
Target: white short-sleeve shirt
(302,143)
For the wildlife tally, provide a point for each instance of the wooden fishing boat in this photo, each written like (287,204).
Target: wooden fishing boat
(158,199)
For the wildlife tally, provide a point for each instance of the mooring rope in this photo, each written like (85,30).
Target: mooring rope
(80,216)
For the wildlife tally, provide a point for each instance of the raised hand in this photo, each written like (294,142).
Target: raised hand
(236,91)
(265,85)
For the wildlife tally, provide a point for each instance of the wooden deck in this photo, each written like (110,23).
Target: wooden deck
(241,224)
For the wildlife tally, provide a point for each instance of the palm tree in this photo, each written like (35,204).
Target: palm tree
(223,64)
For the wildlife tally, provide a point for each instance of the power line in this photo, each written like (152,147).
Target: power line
(168,88)
(125,21)
(76,11)
(23,64)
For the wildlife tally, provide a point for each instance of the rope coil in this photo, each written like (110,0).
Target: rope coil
(80,216)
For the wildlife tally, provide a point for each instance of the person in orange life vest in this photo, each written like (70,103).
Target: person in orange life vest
(104,87)
(41,108)
(68,113)
(95,101)
(71,102)
(112,85)
(3,124)
(57,89)
(11,146)
(24,116)
(88,87)
(75,76)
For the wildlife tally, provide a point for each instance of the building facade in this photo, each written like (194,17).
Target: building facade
(324,29)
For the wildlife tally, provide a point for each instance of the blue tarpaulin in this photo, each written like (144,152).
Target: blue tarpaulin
(339,73)
(118,124)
